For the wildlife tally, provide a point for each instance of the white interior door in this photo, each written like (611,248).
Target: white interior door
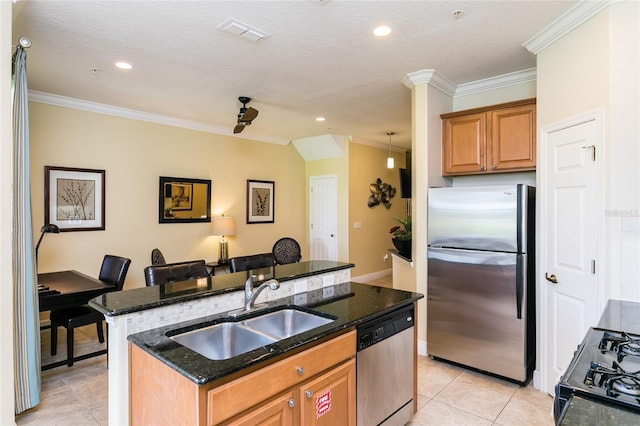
(323,208)
(570,236)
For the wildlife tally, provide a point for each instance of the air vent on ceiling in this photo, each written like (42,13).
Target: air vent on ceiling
(243,30)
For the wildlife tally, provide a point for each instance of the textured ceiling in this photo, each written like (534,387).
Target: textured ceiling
(320,57)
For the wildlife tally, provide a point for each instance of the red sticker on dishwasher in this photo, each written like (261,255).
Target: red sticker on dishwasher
(323,403)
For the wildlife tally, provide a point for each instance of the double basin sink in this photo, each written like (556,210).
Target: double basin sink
(229,339)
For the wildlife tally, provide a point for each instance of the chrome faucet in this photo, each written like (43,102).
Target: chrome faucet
(251,294)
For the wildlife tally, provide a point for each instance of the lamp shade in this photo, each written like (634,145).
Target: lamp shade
(223,225)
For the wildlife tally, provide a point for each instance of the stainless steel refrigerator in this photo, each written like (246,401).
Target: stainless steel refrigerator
(481,288)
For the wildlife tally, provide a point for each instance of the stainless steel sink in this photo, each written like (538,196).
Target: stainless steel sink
(222,341)
(229,339)
(286,323)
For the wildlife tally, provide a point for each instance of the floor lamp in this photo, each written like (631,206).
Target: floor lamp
(223,226)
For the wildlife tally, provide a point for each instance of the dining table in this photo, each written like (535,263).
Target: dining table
(64,289)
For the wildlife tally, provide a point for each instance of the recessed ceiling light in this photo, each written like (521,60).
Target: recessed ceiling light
(381,31)
(124,65)
(320,119)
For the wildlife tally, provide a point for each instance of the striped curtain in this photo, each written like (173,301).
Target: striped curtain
(26,331)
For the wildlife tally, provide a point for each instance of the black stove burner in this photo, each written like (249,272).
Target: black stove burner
(605,368)
(615,380)
(620,343)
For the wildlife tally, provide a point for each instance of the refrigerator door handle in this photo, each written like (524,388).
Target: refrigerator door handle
(520,274)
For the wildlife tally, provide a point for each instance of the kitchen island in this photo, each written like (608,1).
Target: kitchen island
(328,349)
(142,316)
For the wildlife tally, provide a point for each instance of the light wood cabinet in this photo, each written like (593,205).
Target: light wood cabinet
(327,400)
(495,139)
(282,393)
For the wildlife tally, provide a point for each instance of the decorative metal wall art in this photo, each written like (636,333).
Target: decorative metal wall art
(381,193)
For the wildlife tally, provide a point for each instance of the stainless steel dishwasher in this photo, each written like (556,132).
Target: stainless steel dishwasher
(384,368)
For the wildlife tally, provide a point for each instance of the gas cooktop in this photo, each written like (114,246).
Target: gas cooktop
(606,367)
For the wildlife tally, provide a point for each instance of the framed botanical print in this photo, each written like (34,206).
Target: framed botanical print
(74,198)
(260,201)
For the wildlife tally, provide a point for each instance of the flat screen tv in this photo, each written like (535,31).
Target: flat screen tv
(405,183)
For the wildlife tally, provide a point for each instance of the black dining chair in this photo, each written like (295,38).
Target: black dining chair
(113,271)
(286,250)
(255,261)
(157,258)
(171,272)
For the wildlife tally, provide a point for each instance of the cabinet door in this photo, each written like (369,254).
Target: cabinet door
(278,411)
(513,138)
(464,146)
(330,399)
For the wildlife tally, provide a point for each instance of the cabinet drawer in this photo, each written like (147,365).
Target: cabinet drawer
(233,397)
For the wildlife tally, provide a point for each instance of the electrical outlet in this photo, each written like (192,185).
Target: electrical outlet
(385,257)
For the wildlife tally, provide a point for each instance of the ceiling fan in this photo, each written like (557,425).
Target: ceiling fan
(245,116)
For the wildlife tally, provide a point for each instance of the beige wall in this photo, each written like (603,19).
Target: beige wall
(596,67)
(369,244)
(524,90)
(134,155)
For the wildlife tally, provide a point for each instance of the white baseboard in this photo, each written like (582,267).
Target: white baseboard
(372,276)
(422,347)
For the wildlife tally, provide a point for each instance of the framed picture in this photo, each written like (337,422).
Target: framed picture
(260,198)
(74,198)
(183,200)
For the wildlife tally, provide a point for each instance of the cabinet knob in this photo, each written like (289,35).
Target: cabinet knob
(481,167)
(300,371)
(292,403)
(308,394)
(494,167)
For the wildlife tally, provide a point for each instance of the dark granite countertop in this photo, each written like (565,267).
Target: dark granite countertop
(582,412)
(397,253)
(350,303)
(621,315)
(139,299)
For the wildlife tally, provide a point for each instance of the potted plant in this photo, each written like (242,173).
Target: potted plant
(401,236)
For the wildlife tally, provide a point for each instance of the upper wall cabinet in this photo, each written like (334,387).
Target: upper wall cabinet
(494,139)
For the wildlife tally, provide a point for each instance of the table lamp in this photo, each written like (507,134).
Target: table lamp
(46,229)
(222,226)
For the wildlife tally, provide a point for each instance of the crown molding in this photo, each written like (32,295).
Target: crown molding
(497,82)
(447,87)
(573,18)
(63,101)
(430,76)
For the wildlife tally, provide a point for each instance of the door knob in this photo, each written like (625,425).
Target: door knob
(552,278)
(308,394)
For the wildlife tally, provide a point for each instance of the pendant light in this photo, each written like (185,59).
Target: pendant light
(390,160)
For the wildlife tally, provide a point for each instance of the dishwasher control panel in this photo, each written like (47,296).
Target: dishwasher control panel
(385,326)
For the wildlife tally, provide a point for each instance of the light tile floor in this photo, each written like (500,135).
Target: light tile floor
(447,394)
(452,395)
